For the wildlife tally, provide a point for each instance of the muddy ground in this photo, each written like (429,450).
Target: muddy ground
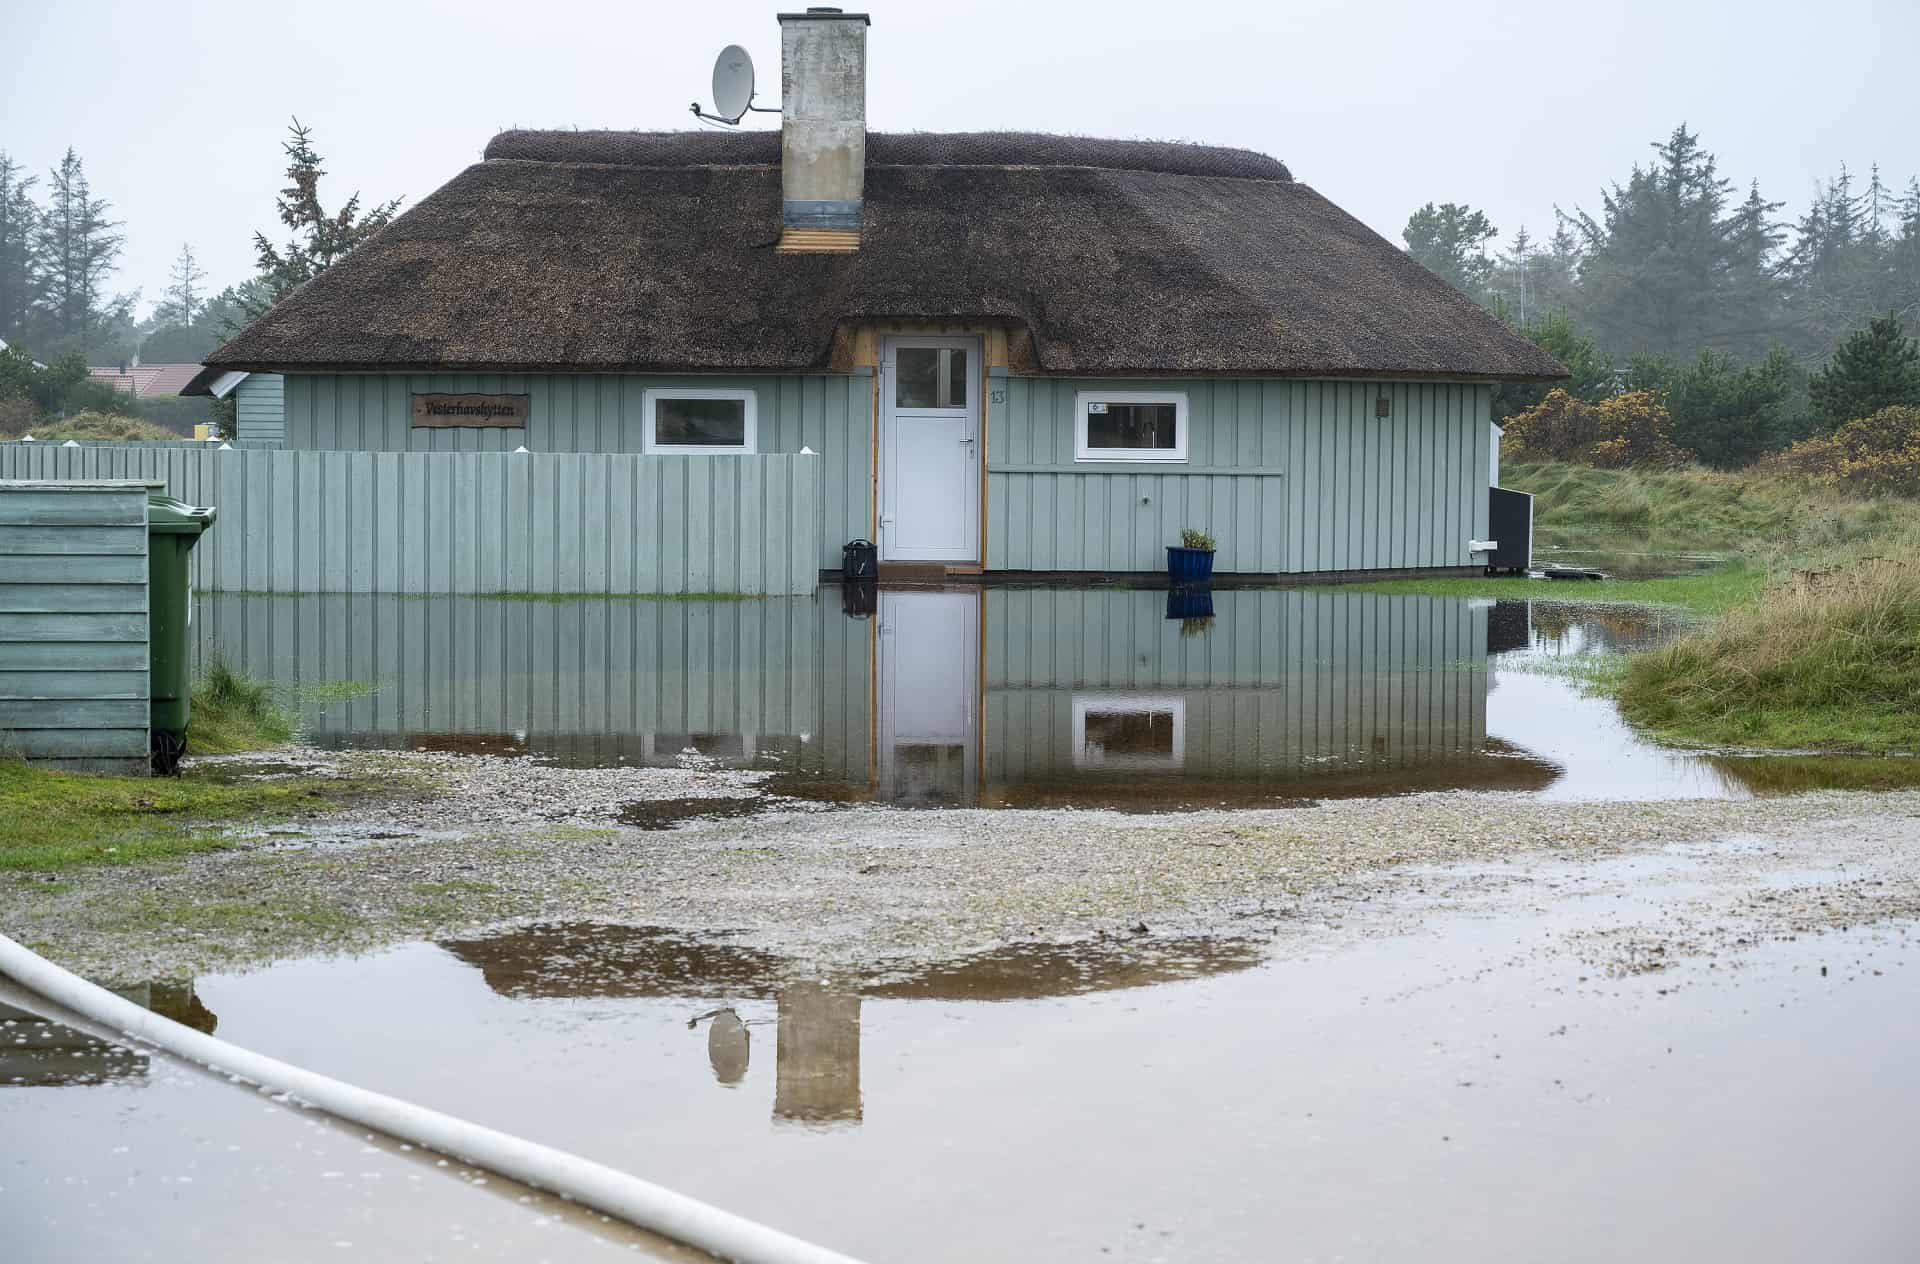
(873,888)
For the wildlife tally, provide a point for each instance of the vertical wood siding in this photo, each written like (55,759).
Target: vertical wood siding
(424,522)
(831,414)
(259,410)
(1288,476)
(73,625)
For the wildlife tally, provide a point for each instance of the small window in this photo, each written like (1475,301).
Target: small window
(930,377)
(699,422)
(1130,426)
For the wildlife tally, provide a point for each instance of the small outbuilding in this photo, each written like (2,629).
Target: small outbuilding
(1010,352)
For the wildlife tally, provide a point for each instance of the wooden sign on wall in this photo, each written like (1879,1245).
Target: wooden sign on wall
(501,411)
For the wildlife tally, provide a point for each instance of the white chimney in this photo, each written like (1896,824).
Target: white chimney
(823,128)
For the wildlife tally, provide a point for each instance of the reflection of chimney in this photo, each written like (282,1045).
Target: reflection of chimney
(818,1058)
(729,1045)
(823,129)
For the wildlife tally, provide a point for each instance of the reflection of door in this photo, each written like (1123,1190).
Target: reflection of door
(929,450)
(929,697)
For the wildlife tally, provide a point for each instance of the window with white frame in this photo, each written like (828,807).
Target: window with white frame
(699,422)
(1130,426)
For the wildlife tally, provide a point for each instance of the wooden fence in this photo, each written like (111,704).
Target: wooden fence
(414,523)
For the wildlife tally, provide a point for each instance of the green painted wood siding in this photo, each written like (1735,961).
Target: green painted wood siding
(1289,476)
(831,414)
(259,410)
(73,624)
(441,522)
(778,682)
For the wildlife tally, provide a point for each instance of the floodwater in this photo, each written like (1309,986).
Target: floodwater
(1453,1090)
(1102,697)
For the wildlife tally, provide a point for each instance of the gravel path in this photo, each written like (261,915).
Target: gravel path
(508,839)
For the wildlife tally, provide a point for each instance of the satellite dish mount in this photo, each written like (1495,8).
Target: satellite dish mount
(732,89)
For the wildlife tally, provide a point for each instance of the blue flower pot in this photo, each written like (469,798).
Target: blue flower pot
(1189,566)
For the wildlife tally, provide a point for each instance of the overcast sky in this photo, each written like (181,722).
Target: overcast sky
(178,109)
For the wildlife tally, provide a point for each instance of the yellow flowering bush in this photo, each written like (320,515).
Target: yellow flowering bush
(1873,456)
(1626,430)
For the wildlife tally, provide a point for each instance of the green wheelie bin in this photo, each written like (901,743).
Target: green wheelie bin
(173,528)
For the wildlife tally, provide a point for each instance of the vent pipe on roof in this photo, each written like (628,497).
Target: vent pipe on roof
(823,128)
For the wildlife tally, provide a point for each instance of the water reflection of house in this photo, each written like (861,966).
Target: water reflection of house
(955,697)
(817,1045)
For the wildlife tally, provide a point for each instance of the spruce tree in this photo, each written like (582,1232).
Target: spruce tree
(20,286)
(1654,277)
(1873,368)
(318,238)
(78,248)
(183,300)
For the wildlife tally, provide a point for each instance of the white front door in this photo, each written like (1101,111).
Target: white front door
(930,450)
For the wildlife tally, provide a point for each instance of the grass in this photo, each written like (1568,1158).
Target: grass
(1709,592)
(1825,660)
(57,820)
(233,712)
(334,690)
(561,598)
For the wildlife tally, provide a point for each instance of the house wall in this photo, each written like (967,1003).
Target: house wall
(832,414)
(1286,475)
(1289,476)
(74,687)
(259,410)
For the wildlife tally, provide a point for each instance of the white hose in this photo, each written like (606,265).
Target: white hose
(591,1184)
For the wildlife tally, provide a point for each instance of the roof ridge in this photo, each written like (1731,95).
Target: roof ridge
(682,149)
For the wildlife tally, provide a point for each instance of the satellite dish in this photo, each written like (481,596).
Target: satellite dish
(732,83)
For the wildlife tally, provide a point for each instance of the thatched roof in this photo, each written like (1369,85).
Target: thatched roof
(635,251)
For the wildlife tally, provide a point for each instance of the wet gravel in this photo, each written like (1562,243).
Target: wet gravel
(505,839)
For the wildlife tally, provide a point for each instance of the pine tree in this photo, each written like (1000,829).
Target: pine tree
(183,300)
(1753,287)
(318,238)
(1872,369)
(1450,240)
(79,247)
(1654,276)
(20,286)
(1832,267)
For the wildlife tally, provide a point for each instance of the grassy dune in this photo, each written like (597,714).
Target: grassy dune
(1827,660)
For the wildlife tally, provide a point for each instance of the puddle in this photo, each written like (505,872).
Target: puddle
(1142,1097)
(997,698)
(665,814)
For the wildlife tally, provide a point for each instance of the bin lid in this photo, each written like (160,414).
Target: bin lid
(167,516)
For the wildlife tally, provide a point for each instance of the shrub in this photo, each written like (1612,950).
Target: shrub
(1874,456)
(17,417)
(1628,430)
(102,427)
(1193,539)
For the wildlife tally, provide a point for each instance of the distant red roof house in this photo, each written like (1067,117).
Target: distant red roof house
(143,380)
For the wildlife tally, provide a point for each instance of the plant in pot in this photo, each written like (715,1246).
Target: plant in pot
(1191,560)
